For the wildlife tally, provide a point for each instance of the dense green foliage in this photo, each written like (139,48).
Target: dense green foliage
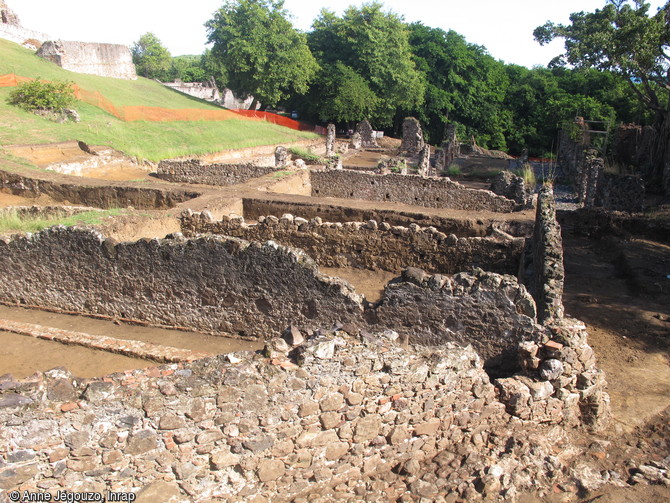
(261,53)
(46,96)
(368,70)
(624,38)
(152,60)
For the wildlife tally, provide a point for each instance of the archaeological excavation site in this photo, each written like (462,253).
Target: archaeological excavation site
(259,325)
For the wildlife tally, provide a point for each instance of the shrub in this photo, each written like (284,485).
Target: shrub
(305,155)
(454,170)
(38,95)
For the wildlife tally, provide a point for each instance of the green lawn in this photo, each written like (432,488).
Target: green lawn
(144,140)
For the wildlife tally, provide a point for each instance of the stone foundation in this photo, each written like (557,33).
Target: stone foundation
(194,171)
(414,190)
(369,245)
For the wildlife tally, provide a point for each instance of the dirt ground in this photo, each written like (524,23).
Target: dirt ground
(618,288)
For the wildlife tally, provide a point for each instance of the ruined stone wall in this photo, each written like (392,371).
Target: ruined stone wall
(202,90)
(369,245)
(620,192)
(546,283)
(20,35)
(210,284)
(463,225)
(352,417)
(415,190)
(194,171)
(100,196)
(105,60)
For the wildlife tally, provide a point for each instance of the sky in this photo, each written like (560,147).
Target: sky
(505,28)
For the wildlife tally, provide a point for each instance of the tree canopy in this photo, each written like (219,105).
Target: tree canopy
(152,60)
(261,53)
(625,38)
(371,47)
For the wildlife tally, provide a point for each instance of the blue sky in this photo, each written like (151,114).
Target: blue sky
(505,28)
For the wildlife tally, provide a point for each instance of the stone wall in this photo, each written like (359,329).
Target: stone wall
(202,90)
(100,196)
(546,281)
(369,245)
(105,60)
(194,171)
(414,190)
(355,418)
(462,225)
(210,284)
(620,192)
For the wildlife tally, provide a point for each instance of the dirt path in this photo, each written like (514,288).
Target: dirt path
(624,329)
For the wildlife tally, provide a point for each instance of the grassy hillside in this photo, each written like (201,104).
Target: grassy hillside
(146,140)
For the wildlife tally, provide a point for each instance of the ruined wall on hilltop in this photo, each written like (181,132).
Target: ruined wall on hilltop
(105,60)
(194,171)
(407,189)
(369,245)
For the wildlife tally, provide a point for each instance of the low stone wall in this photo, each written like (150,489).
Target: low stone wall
(349,417)
(100,196)
(194,171)
(105,60)
(369,245)
(20,35)
(463,226)
(210,284)
(415,190)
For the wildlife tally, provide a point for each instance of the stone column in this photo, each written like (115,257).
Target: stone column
(424,160)
(330,140)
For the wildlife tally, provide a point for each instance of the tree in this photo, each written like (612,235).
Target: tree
(263,55)
(151,59)
(373,47)
(624,38)
(464,85)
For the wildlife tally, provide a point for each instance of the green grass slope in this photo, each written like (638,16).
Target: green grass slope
(145,140)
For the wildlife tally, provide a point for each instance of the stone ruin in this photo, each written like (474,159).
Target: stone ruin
(512,187)
(366,134)
(11,29)
(448,151)
(105,60)
(412,136)
(584,168)
(424,161)
(281,157)
(351,399)
(330,140)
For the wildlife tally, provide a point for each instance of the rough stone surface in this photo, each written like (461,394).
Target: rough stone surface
(546,282)
(461,309)
(330,140)
(105,60)
(412,136)
(281,157)
(512,187)
(194,171)
(367,134)
(100,196)
(370,245)
(210,284)
(415,190)
(424,161)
